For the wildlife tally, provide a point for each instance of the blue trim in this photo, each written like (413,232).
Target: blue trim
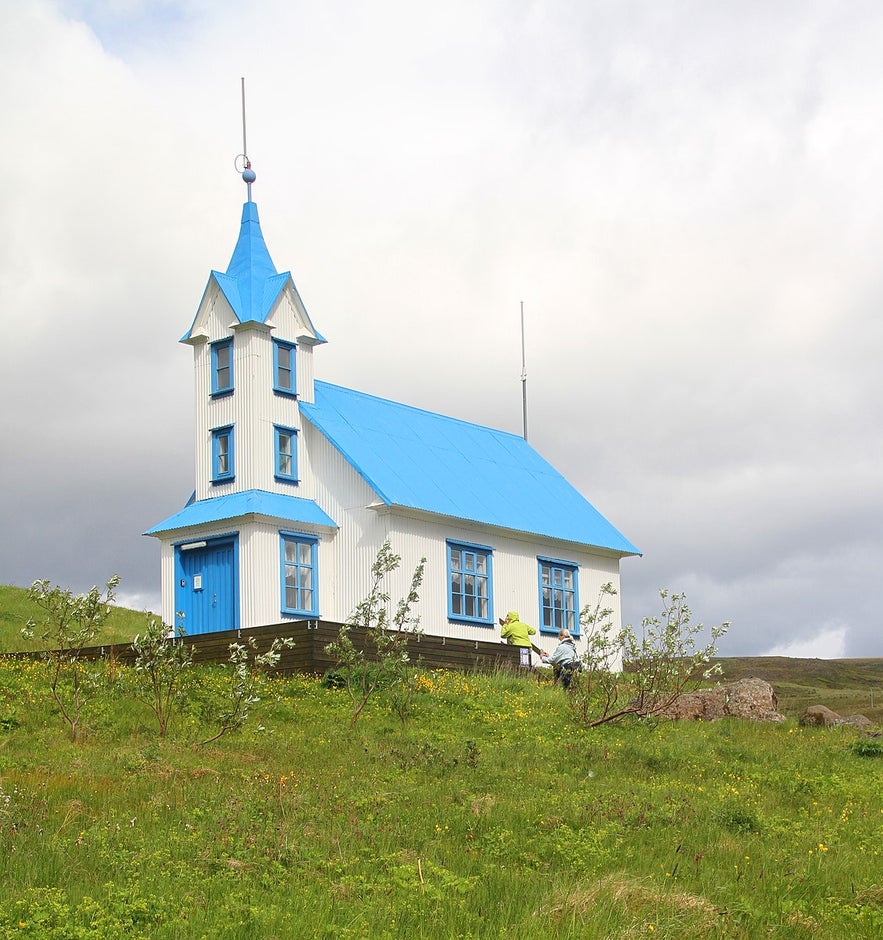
(281,433)
(285,374)
(223,467)
(298,568)
(472,572)
(222,367)
(558,601)
(558,561)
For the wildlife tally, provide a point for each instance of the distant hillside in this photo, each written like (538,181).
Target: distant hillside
(848,686)
(831,673)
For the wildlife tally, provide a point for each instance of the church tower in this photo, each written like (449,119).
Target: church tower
(252,342)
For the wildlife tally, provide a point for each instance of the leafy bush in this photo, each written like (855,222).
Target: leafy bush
(388,635)
(71,623)
(658,667)
(161,662)
(867,747)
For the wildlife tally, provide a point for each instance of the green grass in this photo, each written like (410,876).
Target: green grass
(16,610)
(487,815)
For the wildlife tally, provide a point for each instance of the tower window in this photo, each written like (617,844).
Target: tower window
(222,367)
(286,454)
(284,373)
(222,454)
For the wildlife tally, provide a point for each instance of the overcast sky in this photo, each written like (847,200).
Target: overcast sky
(686,196)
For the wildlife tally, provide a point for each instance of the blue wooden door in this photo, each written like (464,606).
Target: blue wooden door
(206,588)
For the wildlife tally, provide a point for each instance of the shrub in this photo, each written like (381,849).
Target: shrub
(71,623)
(658,667)
(388,635)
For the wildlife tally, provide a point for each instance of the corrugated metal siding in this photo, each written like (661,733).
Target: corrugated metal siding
(345,559)
(305,372)
(167,582)
(259,574)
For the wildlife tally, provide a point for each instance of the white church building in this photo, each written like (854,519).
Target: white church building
(299,482)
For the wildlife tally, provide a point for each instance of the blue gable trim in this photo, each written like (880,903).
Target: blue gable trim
(421,460)
(251,502)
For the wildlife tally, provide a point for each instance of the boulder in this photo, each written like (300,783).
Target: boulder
(818,716)
(748,698)
(856,721)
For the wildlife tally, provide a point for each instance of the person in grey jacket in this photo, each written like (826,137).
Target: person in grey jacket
(565,659)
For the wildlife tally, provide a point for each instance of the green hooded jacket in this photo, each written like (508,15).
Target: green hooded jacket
(515,631)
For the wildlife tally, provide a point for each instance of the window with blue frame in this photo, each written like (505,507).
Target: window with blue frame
(470,584)
(222,454)
(284,374)
(559,596)
(299,582)
(222,367)
(286,454)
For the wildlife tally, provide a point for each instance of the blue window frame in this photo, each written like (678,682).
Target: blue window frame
(470,583)
(559,596)
(284,372)
(222,454)
(286,454)
(300,595)
(222,367)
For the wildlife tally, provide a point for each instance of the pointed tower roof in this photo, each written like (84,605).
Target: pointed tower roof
(251,283)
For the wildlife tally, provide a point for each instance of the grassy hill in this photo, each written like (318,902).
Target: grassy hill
(16,610)
(483,810)
(487,814)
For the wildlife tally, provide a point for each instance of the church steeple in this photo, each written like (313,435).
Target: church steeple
(251,284)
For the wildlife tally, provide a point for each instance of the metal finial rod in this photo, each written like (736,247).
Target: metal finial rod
(248,174)
(244,144)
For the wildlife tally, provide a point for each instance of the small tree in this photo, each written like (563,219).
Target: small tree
(244,684)
(388,635)
(71,623)
(658,667)
(161,662)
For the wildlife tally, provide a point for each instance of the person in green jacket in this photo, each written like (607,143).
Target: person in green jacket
(515,631)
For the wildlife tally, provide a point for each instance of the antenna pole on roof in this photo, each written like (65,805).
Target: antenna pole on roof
(523,378)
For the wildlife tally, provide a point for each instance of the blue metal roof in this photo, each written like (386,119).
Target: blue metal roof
(420,460)
(251,283)
(292,509)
